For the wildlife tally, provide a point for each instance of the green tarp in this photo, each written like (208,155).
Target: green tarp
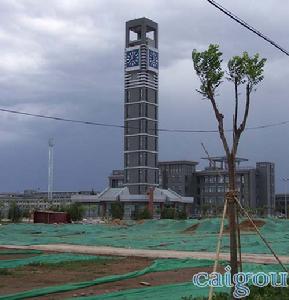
(20,251)
(48,259)
(173,291)
(156,266)
(152,234)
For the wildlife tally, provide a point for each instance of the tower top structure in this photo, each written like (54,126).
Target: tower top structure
(141,31)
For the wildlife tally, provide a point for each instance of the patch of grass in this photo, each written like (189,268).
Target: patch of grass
(5,272)
(72,265)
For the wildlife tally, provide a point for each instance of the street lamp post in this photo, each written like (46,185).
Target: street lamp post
(286,179)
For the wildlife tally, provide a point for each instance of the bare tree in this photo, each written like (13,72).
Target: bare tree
(243,71)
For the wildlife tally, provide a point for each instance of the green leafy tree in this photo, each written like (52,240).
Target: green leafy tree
(1,210)
(14,213)
(181,214)
(26,213)
(76,211)
(205,209)
(143,214)
(168,212)
(245,73)
(117,210)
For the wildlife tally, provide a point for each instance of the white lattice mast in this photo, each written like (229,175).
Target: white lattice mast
(50,168)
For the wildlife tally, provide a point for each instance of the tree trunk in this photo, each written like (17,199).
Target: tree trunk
(232,215)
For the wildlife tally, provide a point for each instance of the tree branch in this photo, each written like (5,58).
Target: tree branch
(219,118)
(242,126)
(236,105)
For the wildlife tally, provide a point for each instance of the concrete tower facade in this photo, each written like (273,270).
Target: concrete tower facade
(141,106)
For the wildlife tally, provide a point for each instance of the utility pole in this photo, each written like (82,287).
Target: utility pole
(285,179)
(50,168)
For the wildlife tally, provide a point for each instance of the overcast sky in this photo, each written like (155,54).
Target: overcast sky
(65,58)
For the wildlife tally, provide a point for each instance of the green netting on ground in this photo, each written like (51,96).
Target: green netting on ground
(175,291)
(152,234)
(45,259)
(20,251)
(172,291)
(162,292)
(157,266)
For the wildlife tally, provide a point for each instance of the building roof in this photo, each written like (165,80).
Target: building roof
(123,195)
(178,162)
(224,159)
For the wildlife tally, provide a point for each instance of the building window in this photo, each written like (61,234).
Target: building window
(127,96)
(220,189)
(143,125)
(221,179)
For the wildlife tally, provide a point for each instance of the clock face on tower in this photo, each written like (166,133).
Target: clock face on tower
(153,59)
(132,58)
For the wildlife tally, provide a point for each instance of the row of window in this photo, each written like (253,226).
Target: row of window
(141,110)
(141,94)
(141,142)
(141,176)
(140,159)
(222,179)
(141,126)
(177,169)
(218,189)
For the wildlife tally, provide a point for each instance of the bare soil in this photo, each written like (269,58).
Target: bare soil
(15,256)
(246,225)
(191,229)
(30,277)
(153,279)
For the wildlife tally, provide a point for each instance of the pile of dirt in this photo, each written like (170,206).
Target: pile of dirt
(246,225)
(118,222)
(191,229)
(140,221)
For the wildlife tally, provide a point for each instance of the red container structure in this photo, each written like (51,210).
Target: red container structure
(51,217)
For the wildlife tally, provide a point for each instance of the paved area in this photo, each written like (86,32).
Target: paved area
(97,250)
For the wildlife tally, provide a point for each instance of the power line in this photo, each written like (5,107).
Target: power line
(96,123)
(245,24)
(123,126)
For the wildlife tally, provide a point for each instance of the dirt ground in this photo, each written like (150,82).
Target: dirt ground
(15,256)
(30,277)
(246,225)
(154,279)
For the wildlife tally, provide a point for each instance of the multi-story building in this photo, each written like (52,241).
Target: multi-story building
(31,200)
(141,106)
(282,204)
(116,179)
(138,185)
(178,176)
(213,183)
(255,185)
(265,181)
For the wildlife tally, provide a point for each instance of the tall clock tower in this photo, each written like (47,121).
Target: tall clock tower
(141,106)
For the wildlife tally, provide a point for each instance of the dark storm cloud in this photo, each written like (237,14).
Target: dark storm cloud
(65,58)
